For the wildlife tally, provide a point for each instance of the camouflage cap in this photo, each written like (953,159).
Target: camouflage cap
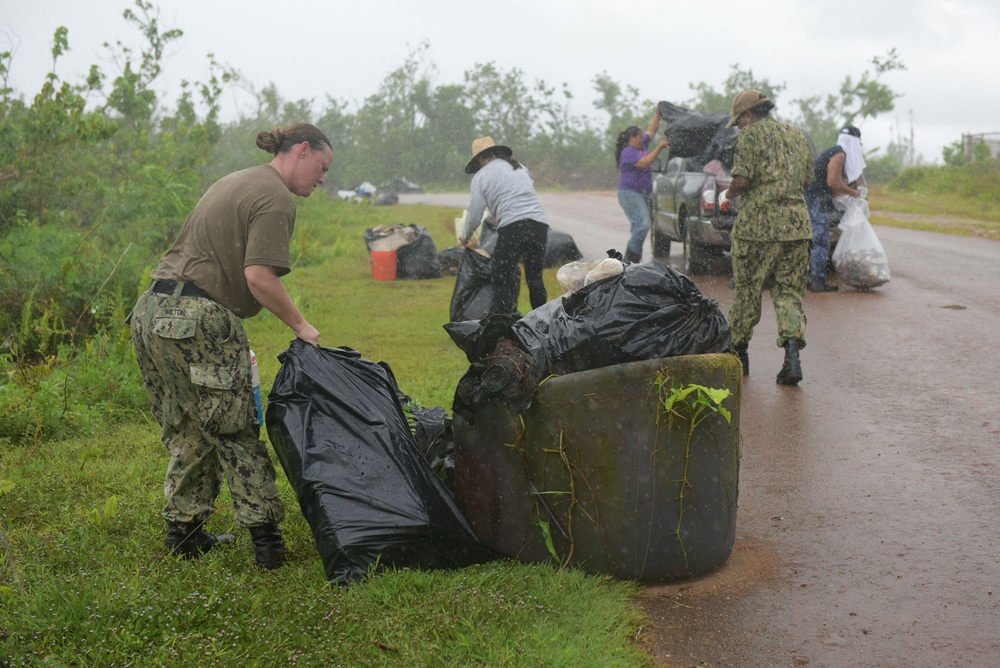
(745,101)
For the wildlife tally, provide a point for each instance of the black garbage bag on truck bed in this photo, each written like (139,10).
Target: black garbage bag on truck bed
(370,497)
(698,137)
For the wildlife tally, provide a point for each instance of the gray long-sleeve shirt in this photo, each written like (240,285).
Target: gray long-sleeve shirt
(508,193)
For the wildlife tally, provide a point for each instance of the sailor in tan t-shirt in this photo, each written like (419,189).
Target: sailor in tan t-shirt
(226,264)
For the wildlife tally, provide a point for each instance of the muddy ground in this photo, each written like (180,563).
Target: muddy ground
(867,528)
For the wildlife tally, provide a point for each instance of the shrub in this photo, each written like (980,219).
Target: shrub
(883,169)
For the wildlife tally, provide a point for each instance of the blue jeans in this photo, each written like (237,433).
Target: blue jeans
(637,209)
(820,253)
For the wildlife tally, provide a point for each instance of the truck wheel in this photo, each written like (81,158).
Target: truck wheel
(697,258)
(661,244)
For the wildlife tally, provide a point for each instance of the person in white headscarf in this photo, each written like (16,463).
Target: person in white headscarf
(838,171)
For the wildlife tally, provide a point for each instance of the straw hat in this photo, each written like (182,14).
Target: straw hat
(479,150)
(746,101)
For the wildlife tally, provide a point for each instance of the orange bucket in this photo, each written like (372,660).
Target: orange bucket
(384,265)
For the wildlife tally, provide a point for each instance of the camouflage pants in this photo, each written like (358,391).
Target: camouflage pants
(785,264)
(195,363)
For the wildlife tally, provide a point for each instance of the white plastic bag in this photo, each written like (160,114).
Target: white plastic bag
(573,275)
(460,227)
(604,269)
(859,257)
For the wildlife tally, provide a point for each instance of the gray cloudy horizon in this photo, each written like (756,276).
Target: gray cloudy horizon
(312,50)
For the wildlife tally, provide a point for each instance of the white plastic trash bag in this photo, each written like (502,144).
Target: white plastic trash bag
(604,269)
(859,257)
(578,274)
(572,275)
(477,235)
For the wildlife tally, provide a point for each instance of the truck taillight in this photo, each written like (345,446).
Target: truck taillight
(708,200)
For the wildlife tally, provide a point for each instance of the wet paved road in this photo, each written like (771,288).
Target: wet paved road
(867,530)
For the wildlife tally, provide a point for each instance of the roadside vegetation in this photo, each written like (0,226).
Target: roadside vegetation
(96,178)
(84,580)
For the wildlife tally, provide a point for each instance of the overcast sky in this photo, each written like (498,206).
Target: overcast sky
(344,48)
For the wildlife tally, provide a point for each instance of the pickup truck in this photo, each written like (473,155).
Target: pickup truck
(686,209)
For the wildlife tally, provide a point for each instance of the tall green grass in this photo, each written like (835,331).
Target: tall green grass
(85,581)
(953,200)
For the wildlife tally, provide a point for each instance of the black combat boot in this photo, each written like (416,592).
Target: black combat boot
(190,540)
(791,370)
(268,546)
(817,284)
(741,351)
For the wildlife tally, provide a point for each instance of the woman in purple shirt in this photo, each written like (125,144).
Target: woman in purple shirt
(635,185)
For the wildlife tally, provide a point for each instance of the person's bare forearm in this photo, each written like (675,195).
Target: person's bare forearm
(267,288)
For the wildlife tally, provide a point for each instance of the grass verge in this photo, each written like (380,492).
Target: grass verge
(947,213)
(84,580)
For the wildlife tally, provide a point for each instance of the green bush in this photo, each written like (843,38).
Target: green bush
(978,180)
(883,168)
(78,390)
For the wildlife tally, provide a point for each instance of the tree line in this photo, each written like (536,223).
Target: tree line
(97,175)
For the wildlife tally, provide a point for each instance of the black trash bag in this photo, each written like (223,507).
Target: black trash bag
(478,338)
(647,312)
(507,376)
(369,496)
(473,293)
(499,371)
(560,249)
(432,431)
(719,148)
(450,259)
(419,258)
(694,135)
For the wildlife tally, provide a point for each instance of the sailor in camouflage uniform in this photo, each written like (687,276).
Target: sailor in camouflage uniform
(193,351)
(772,165)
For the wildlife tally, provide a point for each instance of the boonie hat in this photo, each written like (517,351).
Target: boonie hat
(745,101)
(851,130)
(480,147)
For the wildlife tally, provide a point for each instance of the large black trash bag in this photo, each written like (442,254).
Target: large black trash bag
(419,258)
(431,429)
(560,248)
(450,259)
(647,312)
(473,293)
(364,487)
(500,371)
(478,338)
(696,136)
